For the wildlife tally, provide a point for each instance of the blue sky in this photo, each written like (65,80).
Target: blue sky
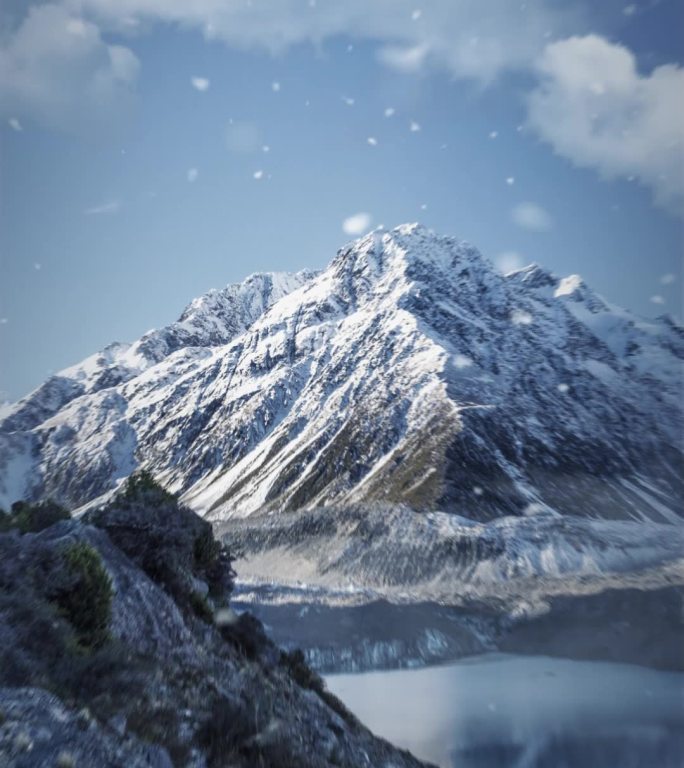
(545,131)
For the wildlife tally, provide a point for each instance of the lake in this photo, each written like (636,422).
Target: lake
(501,711)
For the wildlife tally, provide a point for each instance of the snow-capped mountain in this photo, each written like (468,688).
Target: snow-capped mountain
(408,371)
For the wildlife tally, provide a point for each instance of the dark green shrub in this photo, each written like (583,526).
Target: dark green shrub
(5,521)
(31,518)
(141,486)
(205,549)
(174,546)
(87,601)
(201,607)
(213,562)
(224,734)
(160,725)
(247,635)
(304,676)
(300,671)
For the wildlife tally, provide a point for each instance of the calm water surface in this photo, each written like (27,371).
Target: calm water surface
(525,712)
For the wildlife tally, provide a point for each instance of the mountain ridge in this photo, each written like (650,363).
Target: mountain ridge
(408,371)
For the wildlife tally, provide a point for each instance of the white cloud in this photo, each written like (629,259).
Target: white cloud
(56,69)
(456,36)
(15,124)
(357,224)
(193,173)
(200,84)
(509,261)
(531,216)
(594,108)
(106,208)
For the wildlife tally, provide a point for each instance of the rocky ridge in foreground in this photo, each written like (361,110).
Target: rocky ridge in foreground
(118,648)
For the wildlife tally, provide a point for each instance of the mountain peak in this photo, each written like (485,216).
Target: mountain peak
(410,370)
(406,250)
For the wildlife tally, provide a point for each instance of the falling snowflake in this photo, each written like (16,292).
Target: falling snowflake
(275,87)
(357,224)
(509,261)
(423,207)
(668,279)
(389,111)
(510,180)
(563,388)
(372,141)
(3,321)
(348,101)
(462,361)
(478,491)
(493,134)
(200,84)
(416,14)
(258,175)
(657,299)
(15,124)
(265,148)
(37,266)
(414,126)
(520,317)
(193,173)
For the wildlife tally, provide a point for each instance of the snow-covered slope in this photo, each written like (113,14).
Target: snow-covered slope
(408,371)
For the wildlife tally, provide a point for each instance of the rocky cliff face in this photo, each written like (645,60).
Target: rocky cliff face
(127,654)
(409,371)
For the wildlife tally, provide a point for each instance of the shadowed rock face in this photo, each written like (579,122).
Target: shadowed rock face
(166,685)
(409,371)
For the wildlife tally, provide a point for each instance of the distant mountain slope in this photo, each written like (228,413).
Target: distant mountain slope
(408,371)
